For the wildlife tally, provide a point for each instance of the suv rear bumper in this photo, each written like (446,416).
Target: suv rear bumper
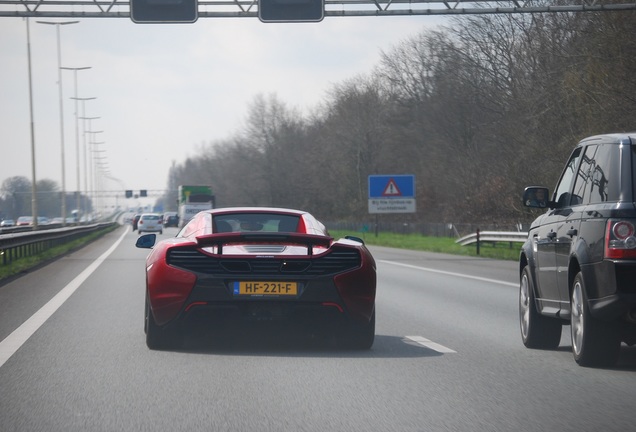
(621,306)
(611,289)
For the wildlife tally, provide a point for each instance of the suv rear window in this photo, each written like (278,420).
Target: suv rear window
(596,181)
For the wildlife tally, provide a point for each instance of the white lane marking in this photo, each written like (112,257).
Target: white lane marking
(430,344)
(450,273)
(15,340)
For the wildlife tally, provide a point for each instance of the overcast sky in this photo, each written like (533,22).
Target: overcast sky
(163,91)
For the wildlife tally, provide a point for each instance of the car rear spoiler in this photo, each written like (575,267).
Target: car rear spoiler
(220,239)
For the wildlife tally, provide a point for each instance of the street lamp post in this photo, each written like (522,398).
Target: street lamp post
(59,77)
(34,194)
(100,165)
(77,150)
(84,118)
(90,159)
(95,161)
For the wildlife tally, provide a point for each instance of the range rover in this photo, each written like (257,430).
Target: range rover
(578,265)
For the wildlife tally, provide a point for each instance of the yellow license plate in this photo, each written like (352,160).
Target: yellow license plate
(266,288)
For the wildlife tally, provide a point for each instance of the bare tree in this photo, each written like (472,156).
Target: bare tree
(476,110)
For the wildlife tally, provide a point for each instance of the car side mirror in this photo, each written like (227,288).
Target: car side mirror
(146,241)
(537,197)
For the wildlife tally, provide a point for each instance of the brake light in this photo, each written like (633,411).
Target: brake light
(623,230)
(302,228)
(620,242)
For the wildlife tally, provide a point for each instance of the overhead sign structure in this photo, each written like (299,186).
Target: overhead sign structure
(349,8)
(392,193)
(164,11)
(291,10)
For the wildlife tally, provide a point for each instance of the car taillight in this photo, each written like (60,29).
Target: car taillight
(619,240)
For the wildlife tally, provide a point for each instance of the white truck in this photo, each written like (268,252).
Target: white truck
(192,200)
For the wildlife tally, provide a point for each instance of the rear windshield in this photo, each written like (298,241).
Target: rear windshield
(598,179)
(150,217)
(255,222)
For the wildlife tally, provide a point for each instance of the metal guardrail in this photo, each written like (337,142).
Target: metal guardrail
(19,245)
(493,236)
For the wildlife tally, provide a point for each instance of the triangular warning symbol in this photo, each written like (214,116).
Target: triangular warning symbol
(391,189)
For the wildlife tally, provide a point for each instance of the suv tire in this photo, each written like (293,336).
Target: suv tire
(537,331)
(594,342)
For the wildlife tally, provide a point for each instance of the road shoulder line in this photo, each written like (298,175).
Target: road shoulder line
(449,273)
(19,336)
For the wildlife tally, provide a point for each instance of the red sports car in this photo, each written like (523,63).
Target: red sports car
(261,265)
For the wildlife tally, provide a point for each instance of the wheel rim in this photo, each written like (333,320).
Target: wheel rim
(577,320)
(524,306)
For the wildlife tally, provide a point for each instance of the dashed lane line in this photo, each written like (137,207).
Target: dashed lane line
(430,344)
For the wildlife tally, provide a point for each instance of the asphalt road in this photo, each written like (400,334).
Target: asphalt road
(447,357)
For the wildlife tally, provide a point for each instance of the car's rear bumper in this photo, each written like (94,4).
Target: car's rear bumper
(616,306)
(611,289)
(220,315)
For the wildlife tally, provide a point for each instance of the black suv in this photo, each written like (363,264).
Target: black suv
(578,265)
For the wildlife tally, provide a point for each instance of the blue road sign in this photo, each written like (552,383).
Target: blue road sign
(392,186)
(392,194)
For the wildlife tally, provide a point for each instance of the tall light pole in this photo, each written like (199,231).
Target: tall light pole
(89,166)
(84,118)
(100,164)
(77,150)
(93,148)
(34,190)
(59,82)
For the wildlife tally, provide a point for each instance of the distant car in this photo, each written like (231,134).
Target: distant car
(265,265)
(578,266)
(135,221)
(170,219)
(150,222)
(24,220)
(7,223)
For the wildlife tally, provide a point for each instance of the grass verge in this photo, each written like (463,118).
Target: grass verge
(499,250)
(23,265)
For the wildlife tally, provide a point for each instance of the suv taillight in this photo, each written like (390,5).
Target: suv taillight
(619,240)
